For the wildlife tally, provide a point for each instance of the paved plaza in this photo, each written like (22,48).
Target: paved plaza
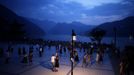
(42,65)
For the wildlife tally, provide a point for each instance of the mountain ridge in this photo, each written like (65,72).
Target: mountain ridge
(62,27)
(7,17)
(124,27)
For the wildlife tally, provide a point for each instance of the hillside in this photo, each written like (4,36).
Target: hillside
(124,28)
(45,25)
(51,27)
(8,18)
(66,28)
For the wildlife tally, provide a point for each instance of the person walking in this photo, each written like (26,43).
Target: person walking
(40,52)
(25,58)
(53,62)
(97,57)
(64,49)
(88,59)
(7,57)
(60,50)
(91,50)
(122,68)
(101,57)
(56,61)
(24,51)
(30,56)
(30,49)
(76,56)
(84,60)
(19,52)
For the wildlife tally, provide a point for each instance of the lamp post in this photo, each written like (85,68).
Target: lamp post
(72,58)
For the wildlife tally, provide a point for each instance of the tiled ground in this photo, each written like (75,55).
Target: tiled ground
(42,66)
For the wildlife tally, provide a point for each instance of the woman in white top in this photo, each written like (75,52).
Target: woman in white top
(97,57)
(53,62)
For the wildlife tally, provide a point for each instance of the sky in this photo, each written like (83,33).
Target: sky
(89,12)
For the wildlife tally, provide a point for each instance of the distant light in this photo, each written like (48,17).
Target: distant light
(74,38)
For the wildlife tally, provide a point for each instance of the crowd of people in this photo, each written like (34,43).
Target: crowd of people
(26,55)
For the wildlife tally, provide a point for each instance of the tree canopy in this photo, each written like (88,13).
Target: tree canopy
(97,34)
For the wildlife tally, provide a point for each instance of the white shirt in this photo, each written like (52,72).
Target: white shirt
(40,49)
(53,59)
(72,59)
(97,57)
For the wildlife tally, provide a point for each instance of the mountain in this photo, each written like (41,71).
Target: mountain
(51,27)
(45,25)
(124,28)
(66,28)
(8,17)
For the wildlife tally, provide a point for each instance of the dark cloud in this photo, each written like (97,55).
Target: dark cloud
(110,9)
(61,11)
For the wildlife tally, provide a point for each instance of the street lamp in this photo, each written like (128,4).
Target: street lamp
(73,35)
(72,58)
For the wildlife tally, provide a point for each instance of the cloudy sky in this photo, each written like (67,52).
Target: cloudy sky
(90,12)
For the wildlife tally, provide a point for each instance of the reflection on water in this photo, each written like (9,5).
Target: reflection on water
(67,38)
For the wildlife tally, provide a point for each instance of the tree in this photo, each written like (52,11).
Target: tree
(97,34)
